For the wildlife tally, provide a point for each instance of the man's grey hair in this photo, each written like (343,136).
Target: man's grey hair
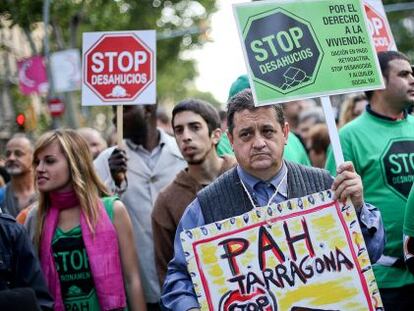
(23,136)
(315,113)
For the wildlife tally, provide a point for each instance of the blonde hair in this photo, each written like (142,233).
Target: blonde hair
(347,108)
(86,183)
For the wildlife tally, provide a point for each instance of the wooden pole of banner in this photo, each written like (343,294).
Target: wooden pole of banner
(121,176)
(119,126)
(332,129)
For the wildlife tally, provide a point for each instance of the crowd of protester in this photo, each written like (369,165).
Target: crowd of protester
(87,225)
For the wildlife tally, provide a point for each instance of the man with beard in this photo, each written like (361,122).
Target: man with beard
(380,143)
(196,126)
(148,161)
(20,191)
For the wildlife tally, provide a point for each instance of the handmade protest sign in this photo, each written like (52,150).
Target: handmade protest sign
(302,254)
(313,48)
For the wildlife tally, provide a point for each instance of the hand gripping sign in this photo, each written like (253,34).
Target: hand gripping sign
(302,254)
(118,67)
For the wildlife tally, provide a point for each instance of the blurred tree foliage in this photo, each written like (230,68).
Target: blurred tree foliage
(402,27)
(70,18)
(207,96)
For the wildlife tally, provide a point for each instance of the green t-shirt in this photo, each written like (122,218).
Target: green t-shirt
(224,146)
(76,282)
(409,215)
(382,152)
(294,150)
(72,264)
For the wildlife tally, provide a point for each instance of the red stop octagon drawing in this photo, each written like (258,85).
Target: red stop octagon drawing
(380,32)
(118,67)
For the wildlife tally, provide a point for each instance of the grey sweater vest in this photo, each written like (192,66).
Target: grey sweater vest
(226,197)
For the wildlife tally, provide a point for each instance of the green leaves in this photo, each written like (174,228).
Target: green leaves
(70,18)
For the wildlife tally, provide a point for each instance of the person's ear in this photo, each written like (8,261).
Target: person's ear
(286,130)
(215,135)
(385,77)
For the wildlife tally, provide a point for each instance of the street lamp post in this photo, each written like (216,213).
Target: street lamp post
(69,107)
(51,90)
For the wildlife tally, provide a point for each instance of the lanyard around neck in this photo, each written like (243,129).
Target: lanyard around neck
(271,198)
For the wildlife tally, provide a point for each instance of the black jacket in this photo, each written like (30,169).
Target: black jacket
(19,266)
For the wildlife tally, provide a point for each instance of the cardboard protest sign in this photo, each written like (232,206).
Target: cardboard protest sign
(303,254)
(119,68)
(295,50)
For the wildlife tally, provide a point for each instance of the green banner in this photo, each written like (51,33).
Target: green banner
(297,50)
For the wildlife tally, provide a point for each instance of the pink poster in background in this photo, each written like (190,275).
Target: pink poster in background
(32,75)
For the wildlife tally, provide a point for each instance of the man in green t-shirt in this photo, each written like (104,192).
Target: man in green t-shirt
(380,143)
(408,230)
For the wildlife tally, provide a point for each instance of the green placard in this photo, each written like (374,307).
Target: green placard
(302,49)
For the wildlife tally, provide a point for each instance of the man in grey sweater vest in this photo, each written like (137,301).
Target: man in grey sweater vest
(258,136)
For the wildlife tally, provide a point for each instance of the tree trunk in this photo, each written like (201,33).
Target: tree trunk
(30,40)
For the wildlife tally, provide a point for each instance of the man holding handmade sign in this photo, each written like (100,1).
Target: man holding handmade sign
(262,178)
(245,246)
